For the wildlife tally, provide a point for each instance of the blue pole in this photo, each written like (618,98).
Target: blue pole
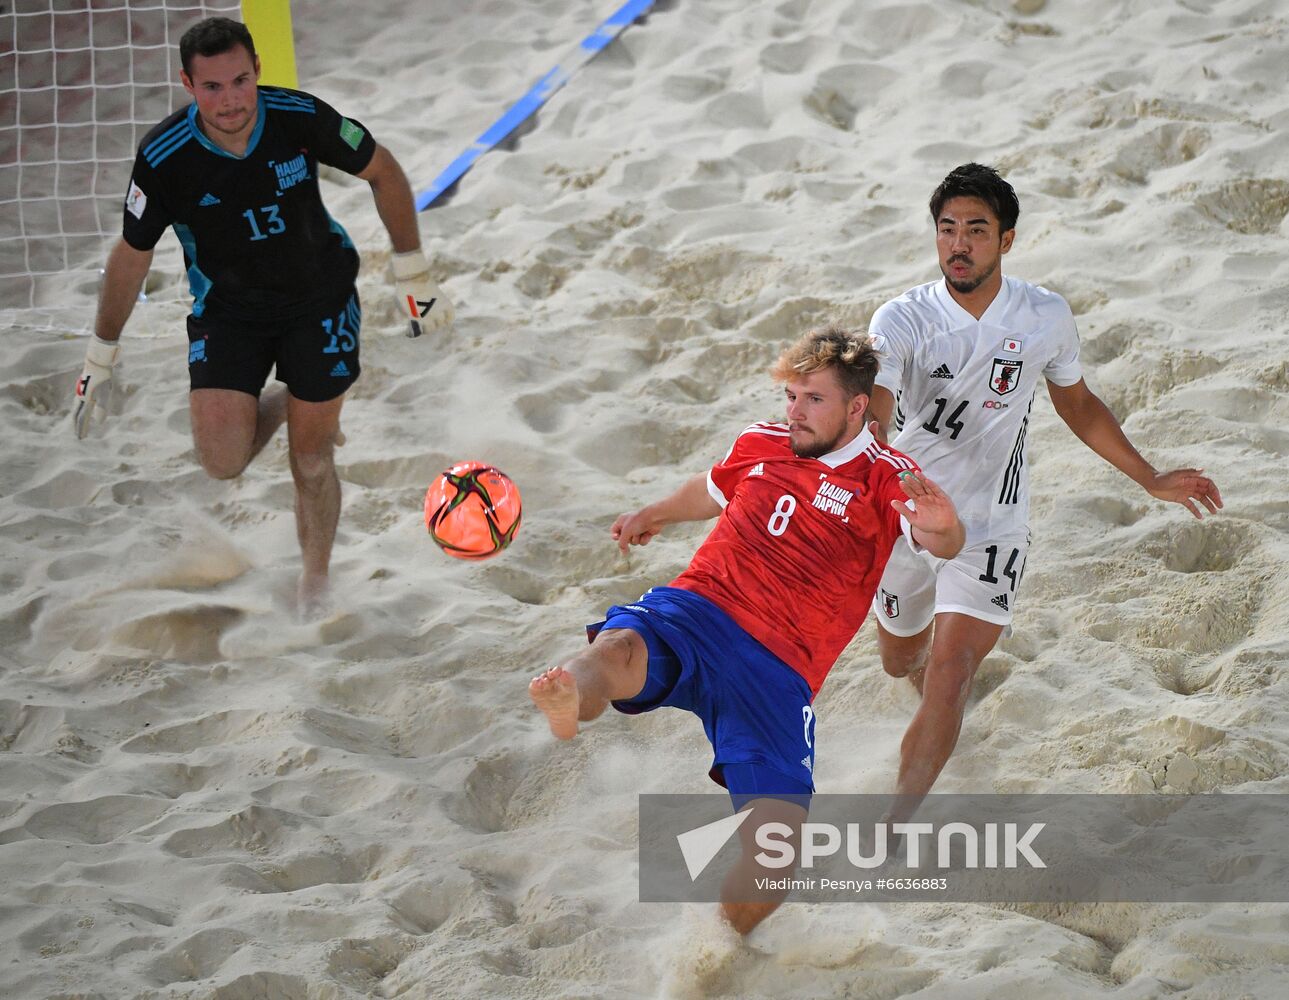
(573,60)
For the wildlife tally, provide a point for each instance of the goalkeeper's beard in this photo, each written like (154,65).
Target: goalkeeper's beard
(221,123)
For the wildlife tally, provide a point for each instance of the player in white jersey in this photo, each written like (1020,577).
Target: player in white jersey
(961,361)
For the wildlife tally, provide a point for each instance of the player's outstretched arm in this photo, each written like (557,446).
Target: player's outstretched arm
(1093,424)
(932,516)
(691,502)
(123,277)
(419,297)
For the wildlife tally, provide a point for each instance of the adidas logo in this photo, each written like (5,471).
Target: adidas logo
(757,470)
(808,764)
(340,370)
(207,200)
(942,372)
(1000,601)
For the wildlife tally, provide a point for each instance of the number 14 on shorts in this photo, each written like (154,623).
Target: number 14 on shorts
(1010,569)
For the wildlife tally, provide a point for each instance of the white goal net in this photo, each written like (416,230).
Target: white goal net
(81,82)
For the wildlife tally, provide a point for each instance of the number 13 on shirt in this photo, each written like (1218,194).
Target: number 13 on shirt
(273,223)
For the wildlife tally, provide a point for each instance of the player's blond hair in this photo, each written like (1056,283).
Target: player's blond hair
(848,352)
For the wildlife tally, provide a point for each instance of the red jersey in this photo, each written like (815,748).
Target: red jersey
(798,551)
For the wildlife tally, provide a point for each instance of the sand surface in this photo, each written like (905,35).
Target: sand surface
(201,798)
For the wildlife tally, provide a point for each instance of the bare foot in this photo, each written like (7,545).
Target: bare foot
(555,693)
(313,597)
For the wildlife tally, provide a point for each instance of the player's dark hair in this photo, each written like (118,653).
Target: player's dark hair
(212,37)
(975,180)
(847,352)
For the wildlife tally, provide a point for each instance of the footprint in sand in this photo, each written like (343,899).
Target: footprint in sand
(199,956)
(625,443)
(555,921)
(216,729)
(308,869)
(188,635)
(256,830)
(1207,595)
(323,793)
(793,57)
(363,963)
(440,715)
(1163,147)
(1138,380)
(975,78)
(542,280)
(895,25)
(175,780)
(68,488)
(1254,207)
(258,985)
(487,790)
(40,398)
(279,633)
(1208,546)
(429,903)
(548,411)
(95,821)
(1113,511)
(27,727)
(1102,346)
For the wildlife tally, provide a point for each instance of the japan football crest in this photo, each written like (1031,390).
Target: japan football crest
(1005,375)
(890,605)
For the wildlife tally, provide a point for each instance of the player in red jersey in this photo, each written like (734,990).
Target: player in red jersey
(809,511)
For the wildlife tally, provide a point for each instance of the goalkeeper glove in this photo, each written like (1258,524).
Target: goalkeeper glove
(94,387)
(420,299)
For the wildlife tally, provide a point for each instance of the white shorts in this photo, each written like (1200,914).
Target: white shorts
(980,581)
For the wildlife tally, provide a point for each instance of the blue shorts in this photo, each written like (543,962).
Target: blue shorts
(755,708)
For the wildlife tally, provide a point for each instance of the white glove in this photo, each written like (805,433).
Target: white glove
(419,298)
(94,387)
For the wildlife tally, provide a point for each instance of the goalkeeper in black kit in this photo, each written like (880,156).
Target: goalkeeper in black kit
(235,175)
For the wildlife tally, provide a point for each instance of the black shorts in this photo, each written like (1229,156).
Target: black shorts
(316,355)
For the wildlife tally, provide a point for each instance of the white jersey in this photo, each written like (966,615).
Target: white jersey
(964,389)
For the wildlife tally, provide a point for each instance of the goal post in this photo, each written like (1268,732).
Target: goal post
(269,22)
(81,82)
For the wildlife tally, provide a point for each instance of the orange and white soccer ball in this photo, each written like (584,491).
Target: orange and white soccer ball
(472,511)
